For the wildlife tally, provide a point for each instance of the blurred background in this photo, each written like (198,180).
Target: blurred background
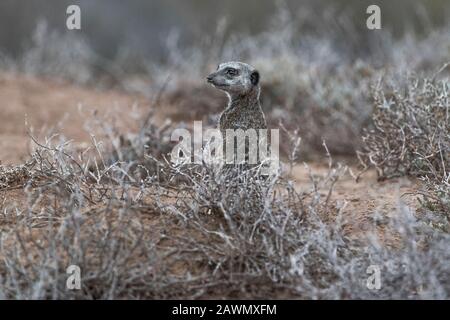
(318,61)
(144,26)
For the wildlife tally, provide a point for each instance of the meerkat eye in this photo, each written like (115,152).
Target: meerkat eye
(231,72)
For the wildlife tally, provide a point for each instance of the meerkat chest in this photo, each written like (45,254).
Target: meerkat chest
(241,119)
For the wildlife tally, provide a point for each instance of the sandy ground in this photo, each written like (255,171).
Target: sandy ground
(43,103)
(31,103)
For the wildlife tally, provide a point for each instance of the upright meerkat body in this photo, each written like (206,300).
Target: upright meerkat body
(240,82)
(243,117)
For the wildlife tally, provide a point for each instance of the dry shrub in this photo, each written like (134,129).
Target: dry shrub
(436,202)
(77,211)
(200,233)
(14,176)
(411,136)
(139,227)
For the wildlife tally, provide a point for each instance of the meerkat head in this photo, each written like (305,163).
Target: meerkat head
(235,78)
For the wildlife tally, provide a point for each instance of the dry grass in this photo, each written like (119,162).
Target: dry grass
(410,136)
(139,227)
(195,232)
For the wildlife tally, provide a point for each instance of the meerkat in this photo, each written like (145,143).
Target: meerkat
(240,82)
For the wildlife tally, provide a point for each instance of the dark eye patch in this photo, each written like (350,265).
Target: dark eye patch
(231,71)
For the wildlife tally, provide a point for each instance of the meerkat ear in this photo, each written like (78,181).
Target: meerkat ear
(254,78)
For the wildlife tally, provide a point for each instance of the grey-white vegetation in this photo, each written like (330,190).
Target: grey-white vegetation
(139,227)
